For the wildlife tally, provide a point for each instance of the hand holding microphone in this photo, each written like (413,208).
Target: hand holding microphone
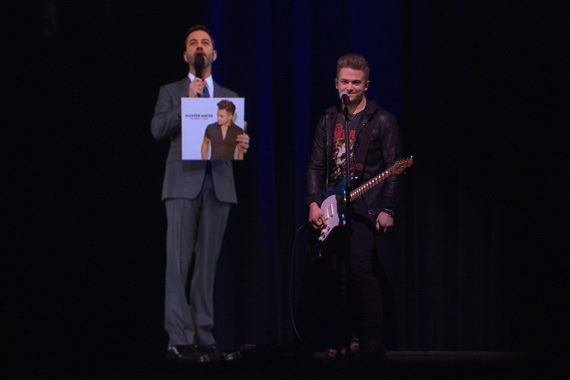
(196,87)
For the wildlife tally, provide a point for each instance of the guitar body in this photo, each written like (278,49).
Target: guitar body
(332,207)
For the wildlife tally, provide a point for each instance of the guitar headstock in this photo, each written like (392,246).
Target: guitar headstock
(401,165)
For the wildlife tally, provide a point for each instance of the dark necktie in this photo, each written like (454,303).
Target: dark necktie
(206,94)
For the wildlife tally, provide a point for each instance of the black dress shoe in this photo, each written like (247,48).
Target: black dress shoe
(186,353)
(215,354)
(211,350)
(230,356)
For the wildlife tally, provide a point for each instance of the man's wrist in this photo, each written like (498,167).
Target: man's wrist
(388,211)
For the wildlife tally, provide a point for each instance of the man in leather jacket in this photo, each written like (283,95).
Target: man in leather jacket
(374,146)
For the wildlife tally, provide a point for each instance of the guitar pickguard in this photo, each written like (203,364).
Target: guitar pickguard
(332,207)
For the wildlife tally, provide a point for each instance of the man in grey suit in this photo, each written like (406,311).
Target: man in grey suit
(197,196)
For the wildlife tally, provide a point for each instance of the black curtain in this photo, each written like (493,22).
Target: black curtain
(472,84)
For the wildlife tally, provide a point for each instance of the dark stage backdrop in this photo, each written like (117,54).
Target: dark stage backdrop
(85,229)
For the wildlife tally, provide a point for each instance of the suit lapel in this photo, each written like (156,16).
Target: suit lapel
(183,89)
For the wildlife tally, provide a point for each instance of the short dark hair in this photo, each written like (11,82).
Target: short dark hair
(195,28)
(228,106)
(355,62)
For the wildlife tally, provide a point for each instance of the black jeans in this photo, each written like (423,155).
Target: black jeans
(353,257)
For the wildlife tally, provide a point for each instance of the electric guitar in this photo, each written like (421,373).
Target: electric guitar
(333,204)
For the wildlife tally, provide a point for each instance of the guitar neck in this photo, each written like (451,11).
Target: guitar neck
(397,168)
(360,190)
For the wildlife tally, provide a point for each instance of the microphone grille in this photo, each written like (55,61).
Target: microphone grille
(344,98)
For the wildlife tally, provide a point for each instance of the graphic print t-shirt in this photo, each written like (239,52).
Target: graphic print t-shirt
(338,171)
(223,148)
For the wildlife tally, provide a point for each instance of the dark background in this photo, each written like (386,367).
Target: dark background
(475,262)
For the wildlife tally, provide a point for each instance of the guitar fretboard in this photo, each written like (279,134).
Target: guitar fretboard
(370,184)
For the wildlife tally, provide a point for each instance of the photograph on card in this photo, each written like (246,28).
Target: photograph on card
(210,128)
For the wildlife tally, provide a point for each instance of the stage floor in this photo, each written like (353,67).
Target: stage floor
(275,364)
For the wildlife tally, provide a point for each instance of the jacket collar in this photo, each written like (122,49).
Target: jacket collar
(369,110)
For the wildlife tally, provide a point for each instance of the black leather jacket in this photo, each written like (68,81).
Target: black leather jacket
(384,148)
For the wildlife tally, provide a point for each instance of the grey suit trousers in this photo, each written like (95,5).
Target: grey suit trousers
(194,238)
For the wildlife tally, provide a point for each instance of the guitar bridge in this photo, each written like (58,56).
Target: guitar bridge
(324,233)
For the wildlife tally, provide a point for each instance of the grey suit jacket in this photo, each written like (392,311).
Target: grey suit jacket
(183,179)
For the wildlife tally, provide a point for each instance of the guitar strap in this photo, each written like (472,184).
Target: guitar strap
(360,156)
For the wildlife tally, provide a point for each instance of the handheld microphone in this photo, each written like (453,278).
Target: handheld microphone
(344,98)
(199,64)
